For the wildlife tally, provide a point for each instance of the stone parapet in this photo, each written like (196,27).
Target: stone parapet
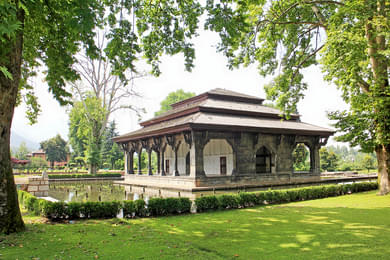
(38,185)
(189,183)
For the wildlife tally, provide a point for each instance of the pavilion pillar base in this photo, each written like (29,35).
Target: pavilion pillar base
(210,182)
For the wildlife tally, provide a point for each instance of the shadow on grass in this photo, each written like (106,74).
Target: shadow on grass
(353,227)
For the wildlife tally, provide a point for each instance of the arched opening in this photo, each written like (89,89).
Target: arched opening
(263,160)
(144,162)
(182,163)
(169,163)
(301,158)
(154,162)
(218,157)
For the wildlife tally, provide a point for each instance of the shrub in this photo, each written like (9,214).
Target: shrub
(128,209)
(160,206)
(157,207)
(172,205)
(260,197)
(228,201)
(140,209)
(184,205)
(293,194)
(206,203)
(247,199)
(74,210)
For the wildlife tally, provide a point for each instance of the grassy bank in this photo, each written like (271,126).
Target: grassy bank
(354,226)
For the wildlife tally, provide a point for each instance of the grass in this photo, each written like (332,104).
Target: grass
(347,227)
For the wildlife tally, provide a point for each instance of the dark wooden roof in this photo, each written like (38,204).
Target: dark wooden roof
(223,110)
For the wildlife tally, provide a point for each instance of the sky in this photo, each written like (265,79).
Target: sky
(210,72)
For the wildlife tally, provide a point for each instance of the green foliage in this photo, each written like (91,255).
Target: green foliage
(38,162)
(321,221)
(229,201)
(348,159)
(171,206)
(329,160)
(133,209)
(368,162)
(21,152)
(168,206)
(56,149)
(173,98)
(247,199)
(111,152)
(350,40)
(85,123)
(301,158)
(206,203)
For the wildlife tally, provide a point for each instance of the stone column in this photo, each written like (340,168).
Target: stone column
(127,162)
(158,162)
(176,171)
(315,159)
(162,161)
(196,155)
(139,161)
(150,162)
(233,144)
(131,162)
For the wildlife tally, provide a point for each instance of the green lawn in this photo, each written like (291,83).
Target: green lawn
(352,227)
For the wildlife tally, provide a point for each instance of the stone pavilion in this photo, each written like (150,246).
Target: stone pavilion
(221,139)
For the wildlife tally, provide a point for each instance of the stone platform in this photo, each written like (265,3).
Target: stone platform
(212,182)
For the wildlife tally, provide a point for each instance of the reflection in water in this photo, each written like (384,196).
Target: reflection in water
(88,191)
(107,191)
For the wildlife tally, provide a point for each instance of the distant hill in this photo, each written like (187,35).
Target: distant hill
(16,140)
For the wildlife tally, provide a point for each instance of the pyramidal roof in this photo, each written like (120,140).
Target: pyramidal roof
(223,110)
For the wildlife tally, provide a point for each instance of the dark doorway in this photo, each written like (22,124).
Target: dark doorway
(188,163)
(263,160)
(166,166)
(222,163)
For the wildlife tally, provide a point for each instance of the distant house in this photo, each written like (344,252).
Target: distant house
(16,161)
(41,154)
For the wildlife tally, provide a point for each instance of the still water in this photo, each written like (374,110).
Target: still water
(89,191)
(107,191)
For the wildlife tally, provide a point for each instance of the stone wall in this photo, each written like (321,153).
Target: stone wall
(38,185)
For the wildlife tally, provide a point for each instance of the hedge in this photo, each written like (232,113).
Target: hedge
(70,176)
(247,199)
(173,206)
(104,209)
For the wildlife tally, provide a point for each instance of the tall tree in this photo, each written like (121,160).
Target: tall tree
(172,98)
(348,37)
(50,33)
(329,160)
(56,149)
(85,126)
(98,80)
(110,150)
(22,151)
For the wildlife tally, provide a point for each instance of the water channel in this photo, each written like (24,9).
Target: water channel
(82,191)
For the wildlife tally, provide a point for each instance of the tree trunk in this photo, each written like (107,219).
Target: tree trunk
(92,168)
(10,217)
(383,157)
(95,149)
